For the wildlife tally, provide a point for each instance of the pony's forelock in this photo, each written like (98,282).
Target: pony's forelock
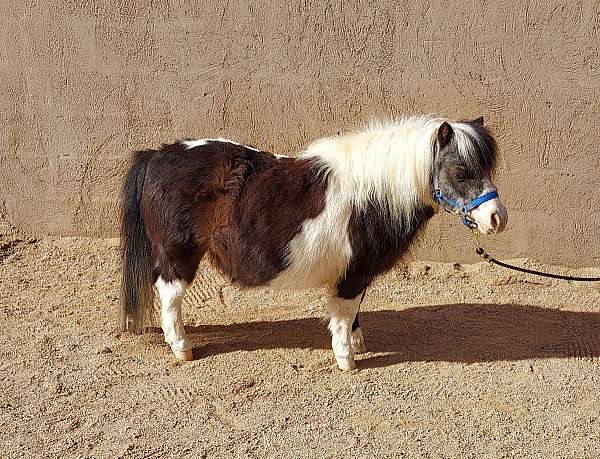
(476,146)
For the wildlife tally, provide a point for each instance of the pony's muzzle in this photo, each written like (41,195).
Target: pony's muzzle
(490,217)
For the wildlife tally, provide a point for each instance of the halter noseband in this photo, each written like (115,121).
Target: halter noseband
(452,206)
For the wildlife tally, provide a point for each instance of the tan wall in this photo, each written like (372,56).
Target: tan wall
(83,83)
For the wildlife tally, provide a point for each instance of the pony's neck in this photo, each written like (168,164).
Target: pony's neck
(390,163)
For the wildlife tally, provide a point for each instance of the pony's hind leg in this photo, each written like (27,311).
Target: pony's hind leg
(176,270)
(171,295)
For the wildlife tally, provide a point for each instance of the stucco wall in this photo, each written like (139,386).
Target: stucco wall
(84,83)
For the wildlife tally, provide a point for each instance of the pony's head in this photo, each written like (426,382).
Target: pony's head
(464,160)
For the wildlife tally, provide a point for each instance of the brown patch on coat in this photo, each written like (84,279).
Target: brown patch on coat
(378,240)
(240,206)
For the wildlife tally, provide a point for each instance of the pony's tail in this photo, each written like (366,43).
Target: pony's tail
(137,297)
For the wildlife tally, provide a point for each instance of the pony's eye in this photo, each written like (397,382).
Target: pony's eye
(459,175)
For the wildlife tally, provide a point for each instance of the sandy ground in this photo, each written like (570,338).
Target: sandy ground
(464,361)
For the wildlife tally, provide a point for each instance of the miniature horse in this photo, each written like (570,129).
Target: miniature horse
(342,212)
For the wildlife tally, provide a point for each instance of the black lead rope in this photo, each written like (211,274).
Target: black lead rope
(482,253)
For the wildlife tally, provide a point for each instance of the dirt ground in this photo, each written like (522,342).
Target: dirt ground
(464,361)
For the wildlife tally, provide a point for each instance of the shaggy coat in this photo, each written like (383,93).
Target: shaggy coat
(342,212)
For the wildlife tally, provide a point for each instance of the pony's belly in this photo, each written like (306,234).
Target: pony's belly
(293,278)
(313,266)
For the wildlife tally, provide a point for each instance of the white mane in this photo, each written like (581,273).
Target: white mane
(389,161)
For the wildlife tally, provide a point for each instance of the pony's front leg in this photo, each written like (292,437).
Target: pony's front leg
(171,294)
(342,313)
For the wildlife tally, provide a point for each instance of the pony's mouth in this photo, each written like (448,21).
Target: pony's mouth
(490,217)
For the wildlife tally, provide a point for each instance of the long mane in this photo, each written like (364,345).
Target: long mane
(390,162)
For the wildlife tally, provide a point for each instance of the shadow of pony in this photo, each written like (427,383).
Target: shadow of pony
(451,333)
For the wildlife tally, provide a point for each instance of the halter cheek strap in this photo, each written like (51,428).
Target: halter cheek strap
(453,206)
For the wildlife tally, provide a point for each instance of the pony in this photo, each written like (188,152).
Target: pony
(337,215)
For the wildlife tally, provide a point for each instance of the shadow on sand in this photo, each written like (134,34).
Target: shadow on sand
(452,333)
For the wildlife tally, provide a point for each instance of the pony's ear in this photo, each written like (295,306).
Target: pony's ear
(445,134)
(478,121)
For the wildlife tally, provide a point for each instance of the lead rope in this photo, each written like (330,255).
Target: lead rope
(483,254)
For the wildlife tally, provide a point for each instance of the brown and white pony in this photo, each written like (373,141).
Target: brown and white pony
(342,212)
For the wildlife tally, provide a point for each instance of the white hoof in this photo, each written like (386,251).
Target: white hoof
(186,356)
(346,364)
(358,342)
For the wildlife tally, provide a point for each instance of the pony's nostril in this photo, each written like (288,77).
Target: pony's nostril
(495,221)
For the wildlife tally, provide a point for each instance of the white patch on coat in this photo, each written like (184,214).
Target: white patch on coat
(171,294)
(197,143)
(319,254)
(281,156)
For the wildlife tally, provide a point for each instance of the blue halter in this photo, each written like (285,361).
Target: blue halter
(452,206)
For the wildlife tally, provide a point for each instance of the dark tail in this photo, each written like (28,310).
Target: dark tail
(136,284)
